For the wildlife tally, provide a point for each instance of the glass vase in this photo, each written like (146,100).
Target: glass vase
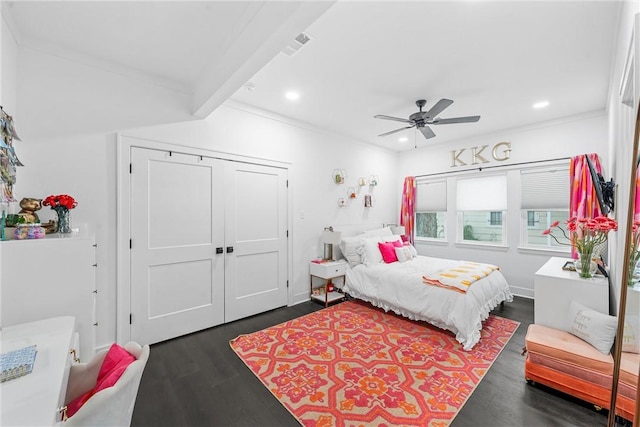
(584,264)
(64,219)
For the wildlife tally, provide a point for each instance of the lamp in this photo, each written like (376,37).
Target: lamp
(330,238)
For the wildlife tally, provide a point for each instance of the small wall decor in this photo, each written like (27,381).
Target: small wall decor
(339,176)
(373,180)
(8,158)
(342,202)
(369,201)
(362,181)
(351,193)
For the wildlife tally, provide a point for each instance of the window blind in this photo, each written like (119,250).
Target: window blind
(488,193)
(431,196)
(544,189)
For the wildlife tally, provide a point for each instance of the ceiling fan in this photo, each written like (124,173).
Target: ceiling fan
(421,119)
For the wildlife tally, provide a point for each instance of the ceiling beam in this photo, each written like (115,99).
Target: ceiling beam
(272,28)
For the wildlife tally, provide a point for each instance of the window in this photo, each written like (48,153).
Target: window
(431,225)
(533,236)
(544,200)
(495,218)
(481,203)
(431,210)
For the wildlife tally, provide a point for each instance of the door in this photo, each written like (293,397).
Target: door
(177,222)
(256,239)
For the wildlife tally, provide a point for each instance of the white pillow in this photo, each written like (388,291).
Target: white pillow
(596,328)
(392,238)
(404,254)
(631,334)
(379,232)
(349,246)
(371,252)
(412,248)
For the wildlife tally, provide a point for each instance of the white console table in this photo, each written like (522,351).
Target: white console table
(34,399)
(555,288)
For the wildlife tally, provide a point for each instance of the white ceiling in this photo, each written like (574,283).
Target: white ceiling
(493,59)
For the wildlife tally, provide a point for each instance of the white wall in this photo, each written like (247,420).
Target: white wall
(85,167)
(8,67)
(545,141)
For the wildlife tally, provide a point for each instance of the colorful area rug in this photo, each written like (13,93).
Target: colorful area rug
(352,364)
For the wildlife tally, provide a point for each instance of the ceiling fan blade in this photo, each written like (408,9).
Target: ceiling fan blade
(437,109)
(427,132)
(397,119)
(468,119)
(394,131)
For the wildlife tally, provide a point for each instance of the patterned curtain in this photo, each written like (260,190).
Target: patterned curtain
(407,207)
(584,201)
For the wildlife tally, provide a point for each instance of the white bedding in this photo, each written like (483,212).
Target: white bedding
(399,287)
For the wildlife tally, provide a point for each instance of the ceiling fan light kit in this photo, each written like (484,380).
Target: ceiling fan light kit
(421,119)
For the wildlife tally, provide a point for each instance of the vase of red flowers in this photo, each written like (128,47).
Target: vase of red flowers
(585,234)
(62,205)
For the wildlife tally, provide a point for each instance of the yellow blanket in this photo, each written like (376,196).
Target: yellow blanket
(460,277)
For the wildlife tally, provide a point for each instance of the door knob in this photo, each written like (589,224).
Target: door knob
(229,249)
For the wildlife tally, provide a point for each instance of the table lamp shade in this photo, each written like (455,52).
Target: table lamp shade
(332,237)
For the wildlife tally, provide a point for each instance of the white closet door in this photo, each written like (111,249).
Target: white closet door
(256,229)
(177,279)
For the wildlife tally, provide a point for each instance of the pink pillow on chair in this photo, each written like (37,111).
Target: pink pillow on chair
(113,366)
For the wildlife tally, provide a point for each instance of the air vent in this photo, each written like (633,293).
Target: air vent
(296,44)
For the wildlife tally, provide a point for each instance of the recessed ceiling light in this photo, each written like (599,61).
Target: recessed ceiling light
(403,139)
(292,95)
(541,104)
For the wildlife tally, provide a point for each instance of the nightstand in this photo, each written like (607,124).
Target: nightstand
(327,270)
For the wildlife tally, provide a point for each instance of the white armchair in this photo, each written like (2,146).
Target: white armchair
(111,406)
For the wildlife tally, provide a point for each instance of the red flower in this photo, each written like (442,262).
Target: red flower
(63,200)
(585,233)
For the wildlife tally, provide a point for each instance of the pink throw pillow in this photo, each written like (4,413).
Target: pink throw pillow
(113,366)
(388,251)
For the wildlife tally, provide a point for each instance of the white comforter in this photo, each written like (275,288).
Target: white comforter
(399,287)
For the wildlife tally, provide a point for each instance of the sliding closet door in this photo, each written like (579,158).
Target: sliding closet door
(177,278)
(256,233)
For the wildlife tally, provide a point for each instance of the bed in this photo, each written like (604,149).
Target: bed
(400,287)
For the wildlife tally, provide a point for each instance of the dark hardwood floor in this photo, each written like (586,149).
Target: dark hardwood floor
(197,380)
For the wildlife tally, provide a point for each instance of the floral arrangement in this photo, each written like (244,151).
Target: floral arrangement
(61,200)
(61,204)
(585,234)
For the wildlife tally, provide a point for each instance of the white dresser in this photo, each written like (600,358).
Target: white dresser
(555,288)
(50,277)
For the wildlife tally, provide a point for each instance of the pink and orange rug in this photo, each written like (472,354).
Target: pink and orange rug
(352,364)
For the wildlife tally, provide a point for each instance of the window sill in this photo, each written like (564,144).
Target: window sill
(544,251)
(430,242)
(484,246)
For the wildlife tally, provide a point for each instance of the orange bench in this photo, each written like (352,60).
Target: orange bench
(564,362)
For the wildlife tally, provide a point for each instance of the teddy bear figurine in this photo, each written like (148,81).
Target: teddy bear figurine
(29,207)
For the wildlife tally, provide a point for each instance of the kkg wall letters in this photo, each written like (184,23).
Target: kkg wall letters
(476,155)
